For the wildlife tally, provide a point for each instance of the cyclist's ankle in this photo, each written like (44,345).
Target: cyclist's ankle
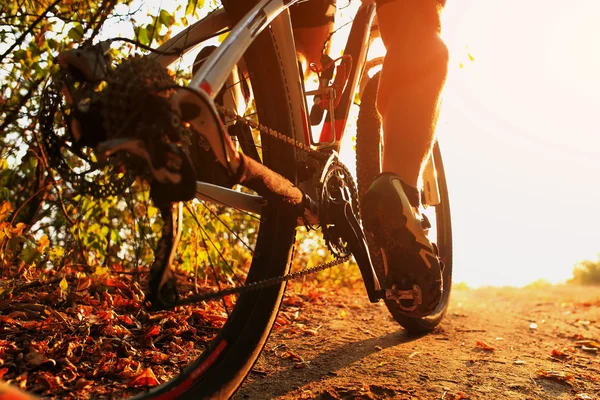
(412,193)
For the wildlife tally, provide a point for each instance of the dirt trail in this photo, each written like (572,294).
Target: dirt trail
(342,347)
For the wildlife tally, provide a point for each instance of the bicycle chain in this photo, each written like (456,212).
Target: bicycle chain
(268,131)
(261,284)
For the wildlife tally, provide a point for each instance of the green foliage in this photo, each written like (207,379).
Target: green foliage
(35,202)
(587,273)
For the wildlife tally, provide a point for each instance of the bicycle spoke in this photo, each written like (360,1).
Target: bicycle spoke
(212,267)
(206,236)
(228,228)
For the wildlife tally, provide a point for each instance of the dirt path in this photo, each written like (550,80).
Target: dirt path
(339,346)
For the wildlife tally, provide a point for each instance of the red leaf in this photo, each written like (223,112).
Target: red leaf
(484,346)
(155,330)
(145,379)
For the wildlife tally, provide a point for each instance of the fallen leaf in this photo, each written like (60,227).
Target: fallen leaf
(63,284)
(82,384)
(301,364)
(145,379)
(559,354)
(589,349)
(588,343)
(556,375)
(484,346)
(36,359)
(454,396)
(153,331)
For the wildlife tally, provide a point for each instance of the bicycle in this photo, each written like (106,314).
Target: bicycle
(168,135)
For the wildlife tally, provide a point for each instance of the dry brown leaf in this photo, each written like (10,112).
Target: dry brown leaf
(145,379)
(589,349)
(153,331)
(556,375)
(484,346)
(82,384)
(36,359)
(560,354)
(588,343)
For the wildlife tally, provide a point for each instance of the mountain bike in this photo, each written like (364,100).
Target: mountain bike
(233,153)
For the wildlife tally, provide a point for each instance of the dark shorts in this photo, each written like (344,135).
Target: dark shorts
(312,13)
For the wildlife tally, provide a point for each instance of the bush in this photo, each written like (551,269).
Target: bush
(587,272)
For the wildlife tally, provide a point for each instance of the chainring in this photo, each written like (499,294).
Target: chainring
(336,175)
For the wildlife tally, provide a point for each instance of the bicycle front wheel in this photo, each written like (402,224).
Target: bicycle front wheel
(369,152)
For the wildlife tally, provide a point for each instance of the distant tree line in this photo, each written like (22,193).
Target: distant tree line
(587,272)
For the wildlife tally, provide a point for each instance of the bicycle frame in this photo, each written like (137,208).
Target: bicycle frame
(216,69)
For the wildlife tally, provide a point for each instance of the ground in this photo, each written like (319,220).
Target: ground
(92,338)
(495,343)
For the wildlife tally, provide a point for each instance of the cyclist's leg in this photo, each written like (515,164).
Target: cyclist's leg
(313,22)
(413,75)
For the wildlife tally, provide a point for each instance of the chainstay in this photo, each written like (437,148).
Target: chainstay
(268,131)
(261,284)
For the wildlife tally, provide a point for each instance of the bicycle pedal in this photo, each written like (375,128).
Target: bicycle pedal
(401,296)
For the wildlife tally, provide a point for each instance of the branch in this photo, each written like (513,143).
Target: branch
(29,30)
(13,116)
(103,11)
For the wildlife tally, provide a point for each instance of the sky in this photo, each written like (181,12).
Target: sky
(519,137)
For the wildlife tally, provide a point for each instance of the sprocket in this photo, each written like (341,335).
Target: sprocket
(335,176)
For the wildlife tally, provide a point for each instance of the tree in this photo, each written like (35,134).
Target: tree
(587,272)
(32,197)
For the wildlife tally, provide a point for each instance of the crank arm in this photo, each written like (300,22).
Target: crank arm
(345,221)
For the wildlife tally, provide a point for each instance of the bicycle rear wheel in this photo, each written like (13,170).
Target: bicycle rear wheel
(369,151)
(231,336)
